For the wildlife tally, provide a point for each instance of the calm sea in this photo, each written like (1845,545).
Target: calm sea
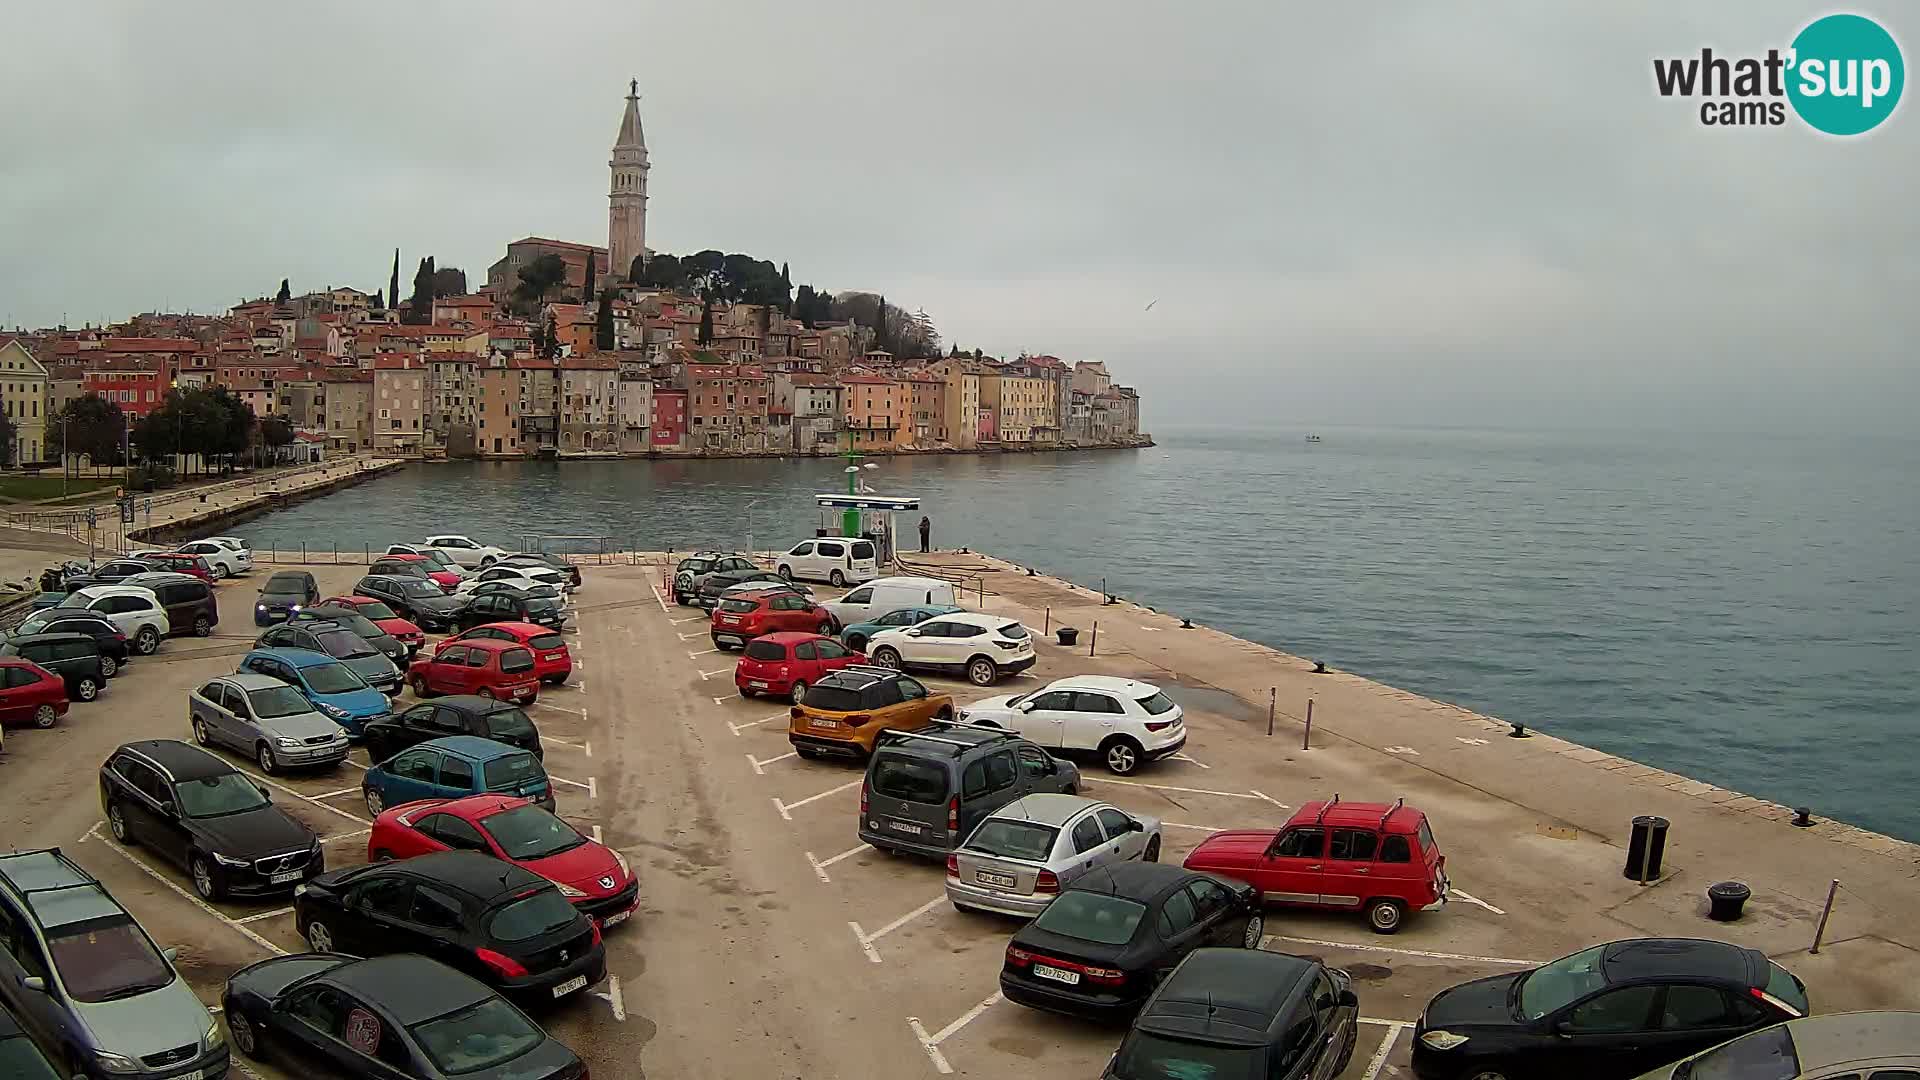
(1744,610)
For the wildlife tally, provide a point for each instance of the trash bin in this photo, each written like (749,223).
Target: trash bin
(1067,634)
(1725,900)
(1648,842)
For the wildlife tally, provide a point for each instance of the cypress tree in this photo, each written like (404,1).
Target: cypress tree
(393,283)
(285,293)
(586,293)
(603,324)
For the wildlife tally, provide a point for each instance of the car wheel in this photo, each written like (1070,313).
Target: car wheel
(749,693)
(786,572)
(372,797)
(108,666)
(87,688)
(1256,929)
(201,627)
(147,640)
(45,716)
(240,1030)
(420,687)
(856,642)
(837,579)
(200,733)
(799,691)
(117,824)
(1152,853)
(982,671)
(319,936)
(1122,756)
(1384,916)
(268,763)
(203,881)
(887,657)
(383,855)
(486,692)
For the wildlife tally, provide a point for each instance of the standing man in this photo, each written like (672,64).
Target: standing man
(926,530)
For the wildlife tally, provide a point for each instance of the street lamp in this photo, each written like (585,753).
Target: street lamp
(750,506)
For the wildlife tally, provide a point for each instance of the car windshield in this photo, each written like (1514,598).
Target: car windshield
(513,771)
(277,701)
(1781,985)
(1156,703)
(899,777)
(528,832)
(737,607)
(217,796)
(833,699)
(541,605)
(1090,916)
(332,679)
(477,1037)
(284,590)
(1014,839)
(1767,1054)
(106,960)
(766,650)
(414,586)
(1153,1057)
(376,610)
(355,622)
(511,723)
(1012,631)
(345,645)
(543,912)
(1562,982)
(513,661)
(547,641)
(438,557)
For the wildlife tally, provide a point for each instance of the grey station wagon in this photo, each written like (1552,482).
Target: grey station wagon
(929,788)
(267,720)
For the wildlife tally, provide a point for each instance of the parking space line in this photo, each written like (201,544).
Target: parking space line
(820,868)
(614,999)
(307,798)
(355,764)
(1500,960)
(738,728)
(1186,790)
(1271,799)
(274,914)
(785,808)
(331,794)
(192,899)
(1195,828)
(710,674)
(590,787)
(596,836)
(866,940)
(701,653)
(581,713)
(344,836)
(1472,899)
(1190,761)
(661,599)
(759,767)
(1379,1058)
(583,745)
(931,1043)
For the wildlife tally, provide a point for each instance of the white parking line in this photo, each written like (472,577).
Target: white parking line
(931,1043)
(192,899)
(1271,799)
(1379,1057)
(581,713)
(274,914)
(701,653)
(866,940)
(583,745)
(613,998)
(355,764)
(820,868)
(331,794)
(344,836)
(590,787)
(1501,960)
(690,637)
(759,767)
(1195,828)
(1468,897)
(1190,761)
(1187,790)
(738,728)
(711,674)
(308,798)
(662,600)
(596,836)
(785,808)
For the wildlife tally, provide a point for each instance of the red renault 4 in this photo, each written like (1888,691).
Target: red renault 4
(1343,856)
(495,669)
(785,664)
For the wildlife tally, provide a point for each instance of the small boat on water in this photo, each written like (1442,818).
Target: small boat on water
(1313,438)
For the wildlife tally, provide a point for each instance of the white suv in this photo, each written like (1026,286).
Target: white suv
(135,610)
(226,559)
(1127,723)
(983,647)
(464,550)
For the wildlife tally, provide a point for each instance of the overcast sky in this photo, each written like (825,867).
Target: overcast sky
(1389,213)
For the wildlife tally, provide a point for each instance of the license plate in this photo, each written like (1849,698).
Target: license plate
(554,656)
(734,638)
(988,877)
(905,827)
(730,620)
(282,879)
(568,987)
(196,1074)
(757,684)
(824,725)
(1071,978)
(616,919)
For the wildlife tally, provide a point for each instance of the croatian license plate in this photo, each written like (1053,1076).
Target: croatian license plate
(196,1074)
(553,656)
(1071,978)
(988,877)
(733,638)
(904,827)
(616,919)
(824,725)
(568,987)
(282,879)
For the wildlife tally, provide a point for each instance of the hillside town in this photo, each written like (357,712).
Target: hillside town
(574,350)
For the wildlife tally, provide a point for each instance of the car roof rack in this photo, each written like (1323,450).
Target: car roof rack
(930,732)
(81,879)
(873,669)
(1391,810)
(1326,806)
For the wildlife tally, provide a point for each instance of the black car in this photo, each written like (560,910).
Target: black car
(542,558)
(20,1059)
(284,593)
(466,714)
(488,588)
(686,575)
(403,568)
(495,921)
(388,645)
(73,657)
(114,571)
(711,586)
(509,607)
(1243,1012)
(190,604)
(334,639)
(391,1016)
(1102,946)
(106,634)
(416,599)
(203,814)
(1618,1009)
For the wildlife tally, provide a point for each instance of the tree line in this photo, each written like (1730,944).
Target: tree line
(213,425)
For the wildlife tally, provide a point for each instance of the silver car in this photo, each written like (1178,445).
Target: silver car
(267,720)
(1024,853)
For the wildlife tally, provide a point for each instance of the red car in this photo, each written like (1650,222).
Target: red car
(30,694)
(785,664)
(551,660)
(183,563)
(495,669)
(446,579)
(382,616)
(595,877)
(1340,856)
(740,617)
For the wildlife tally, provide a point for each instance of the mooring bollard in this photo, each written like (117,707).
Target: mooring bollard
(1306,739)
(1046,626)
(1826,910)
(1093,640)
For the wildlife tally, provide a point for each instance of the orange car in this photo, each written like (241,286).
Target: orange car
(847,710)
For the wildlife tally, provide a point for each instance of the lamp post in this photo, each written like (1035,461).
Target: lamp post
(750,506)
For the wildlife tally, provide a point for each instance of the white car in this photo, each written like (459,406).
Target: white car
(136,611)
(464,550)
(525,577)
(835,560)
(982,647)
(226,559)
(441,560)
(1126,723)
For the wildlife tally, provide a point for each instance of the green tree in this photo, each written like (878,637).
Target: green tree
(449,281)
(803,306)
(586,291)
(552,348)
(537,278)
(393,283)
(285,293)
(90,425)
(706,314)
(9,439)
(276,433)
(379,299)
(603,324)
(420,304)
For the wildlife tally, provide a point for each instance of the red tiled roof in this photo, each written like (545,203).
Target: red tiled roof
(395,363)
(868,380)
(569,245)
(135,344)
(595,362)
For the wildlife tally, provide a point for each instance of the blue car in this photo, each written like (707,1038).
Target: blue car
(339,694)
(855,637)
(454,767)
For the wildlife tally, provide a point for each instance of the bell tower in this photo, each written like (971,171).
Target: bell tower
(627,193)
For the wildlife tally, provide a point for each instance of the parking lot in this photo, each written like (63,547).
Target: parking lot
(769,941)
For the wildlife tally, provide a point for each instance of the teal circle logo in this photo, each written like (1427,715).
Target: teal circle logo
(1846,74)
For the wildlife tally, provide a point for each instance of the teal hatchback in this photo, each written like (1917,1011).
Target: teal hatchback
(455,767)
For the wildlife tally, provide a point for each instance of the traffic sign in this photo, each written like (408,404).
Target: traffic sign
(93,517)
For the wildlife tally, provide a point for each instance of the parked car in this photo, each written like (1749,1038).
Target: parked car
(1122,722)
(855,636)
(1020,856)
(415,566)
(226,557)
(925,791)
(338,693)
(491,919)
(687,573)
(984,647)
(1346,856)
(207,817)
(349,618)
(188,601)
(136,611)
(19,1057)
(785,665)
(333,639)
(877,597)
(1612,1010)
(464,550)
(106,634)
(509,588)
(113,571)
(30,694)
(593,876)
(834,560)
(552,662)
(465,714)
(713,585)
(1243,1012)
(844,713)
(75,658)
(508,607)
(383,618)
(390,1016)
(1836,1046)
(415,599)
(1102,946)
(546,559)
(739,619)
(440,559)
(179,562)
(95,990)
(525,577)
(494,669)
(454,766)
(267,720)
(286,592)
(42,600)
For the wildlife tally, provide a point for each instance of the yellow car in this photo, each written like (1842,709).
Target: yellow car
(846,711)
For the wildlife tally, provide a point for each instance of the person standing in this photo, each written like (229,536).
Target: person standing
(926,531)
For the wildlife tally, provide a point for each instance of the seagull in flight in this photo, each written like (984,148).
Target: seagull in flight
(1150,304)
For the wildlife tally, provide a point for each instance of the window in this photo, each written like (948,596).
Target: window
(455,655)
(1395,850)
(1000,771)
(431,907)
(1209,898)
(452,831)
(1692,1007)
(1301,844)
(1177,916)
(1298,1042)
(1094,703)
(322,1008)
(1354,845)
(1054,701)
(456,773)
(1114,822)
(389,896)
(1034,762)
(833,650)
(1625,1009)
(415,765)
(1086,836)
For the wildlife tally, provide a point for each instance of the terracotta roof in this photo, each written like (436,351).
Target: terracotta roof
(135,344)
(558,243)
(595,362)
(869,380)
(395,363)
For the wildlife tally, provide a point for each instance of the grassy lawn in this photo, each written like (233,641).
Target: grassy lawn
(19,487)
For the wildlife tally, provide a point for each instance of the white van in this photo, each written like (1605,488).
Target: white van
(835,560)
(877,598)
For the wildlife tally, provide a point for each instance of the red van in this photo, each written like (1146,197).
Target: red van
(1344,856)
(495,669)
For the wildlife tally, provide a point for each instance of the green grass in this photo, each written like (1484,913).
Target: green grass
(24,488)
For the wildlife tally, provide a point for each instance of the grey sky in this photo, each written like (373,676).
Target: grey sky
(1404,213)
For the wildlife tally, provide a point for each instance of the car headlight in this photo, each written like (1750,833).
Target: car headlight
(259,607)
(115,1063)
(625,870)
(215,1037)
(333,711)
(569,891)
(237,864)
(296,607)
(287,744)
(1443,1040)
(960,715)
